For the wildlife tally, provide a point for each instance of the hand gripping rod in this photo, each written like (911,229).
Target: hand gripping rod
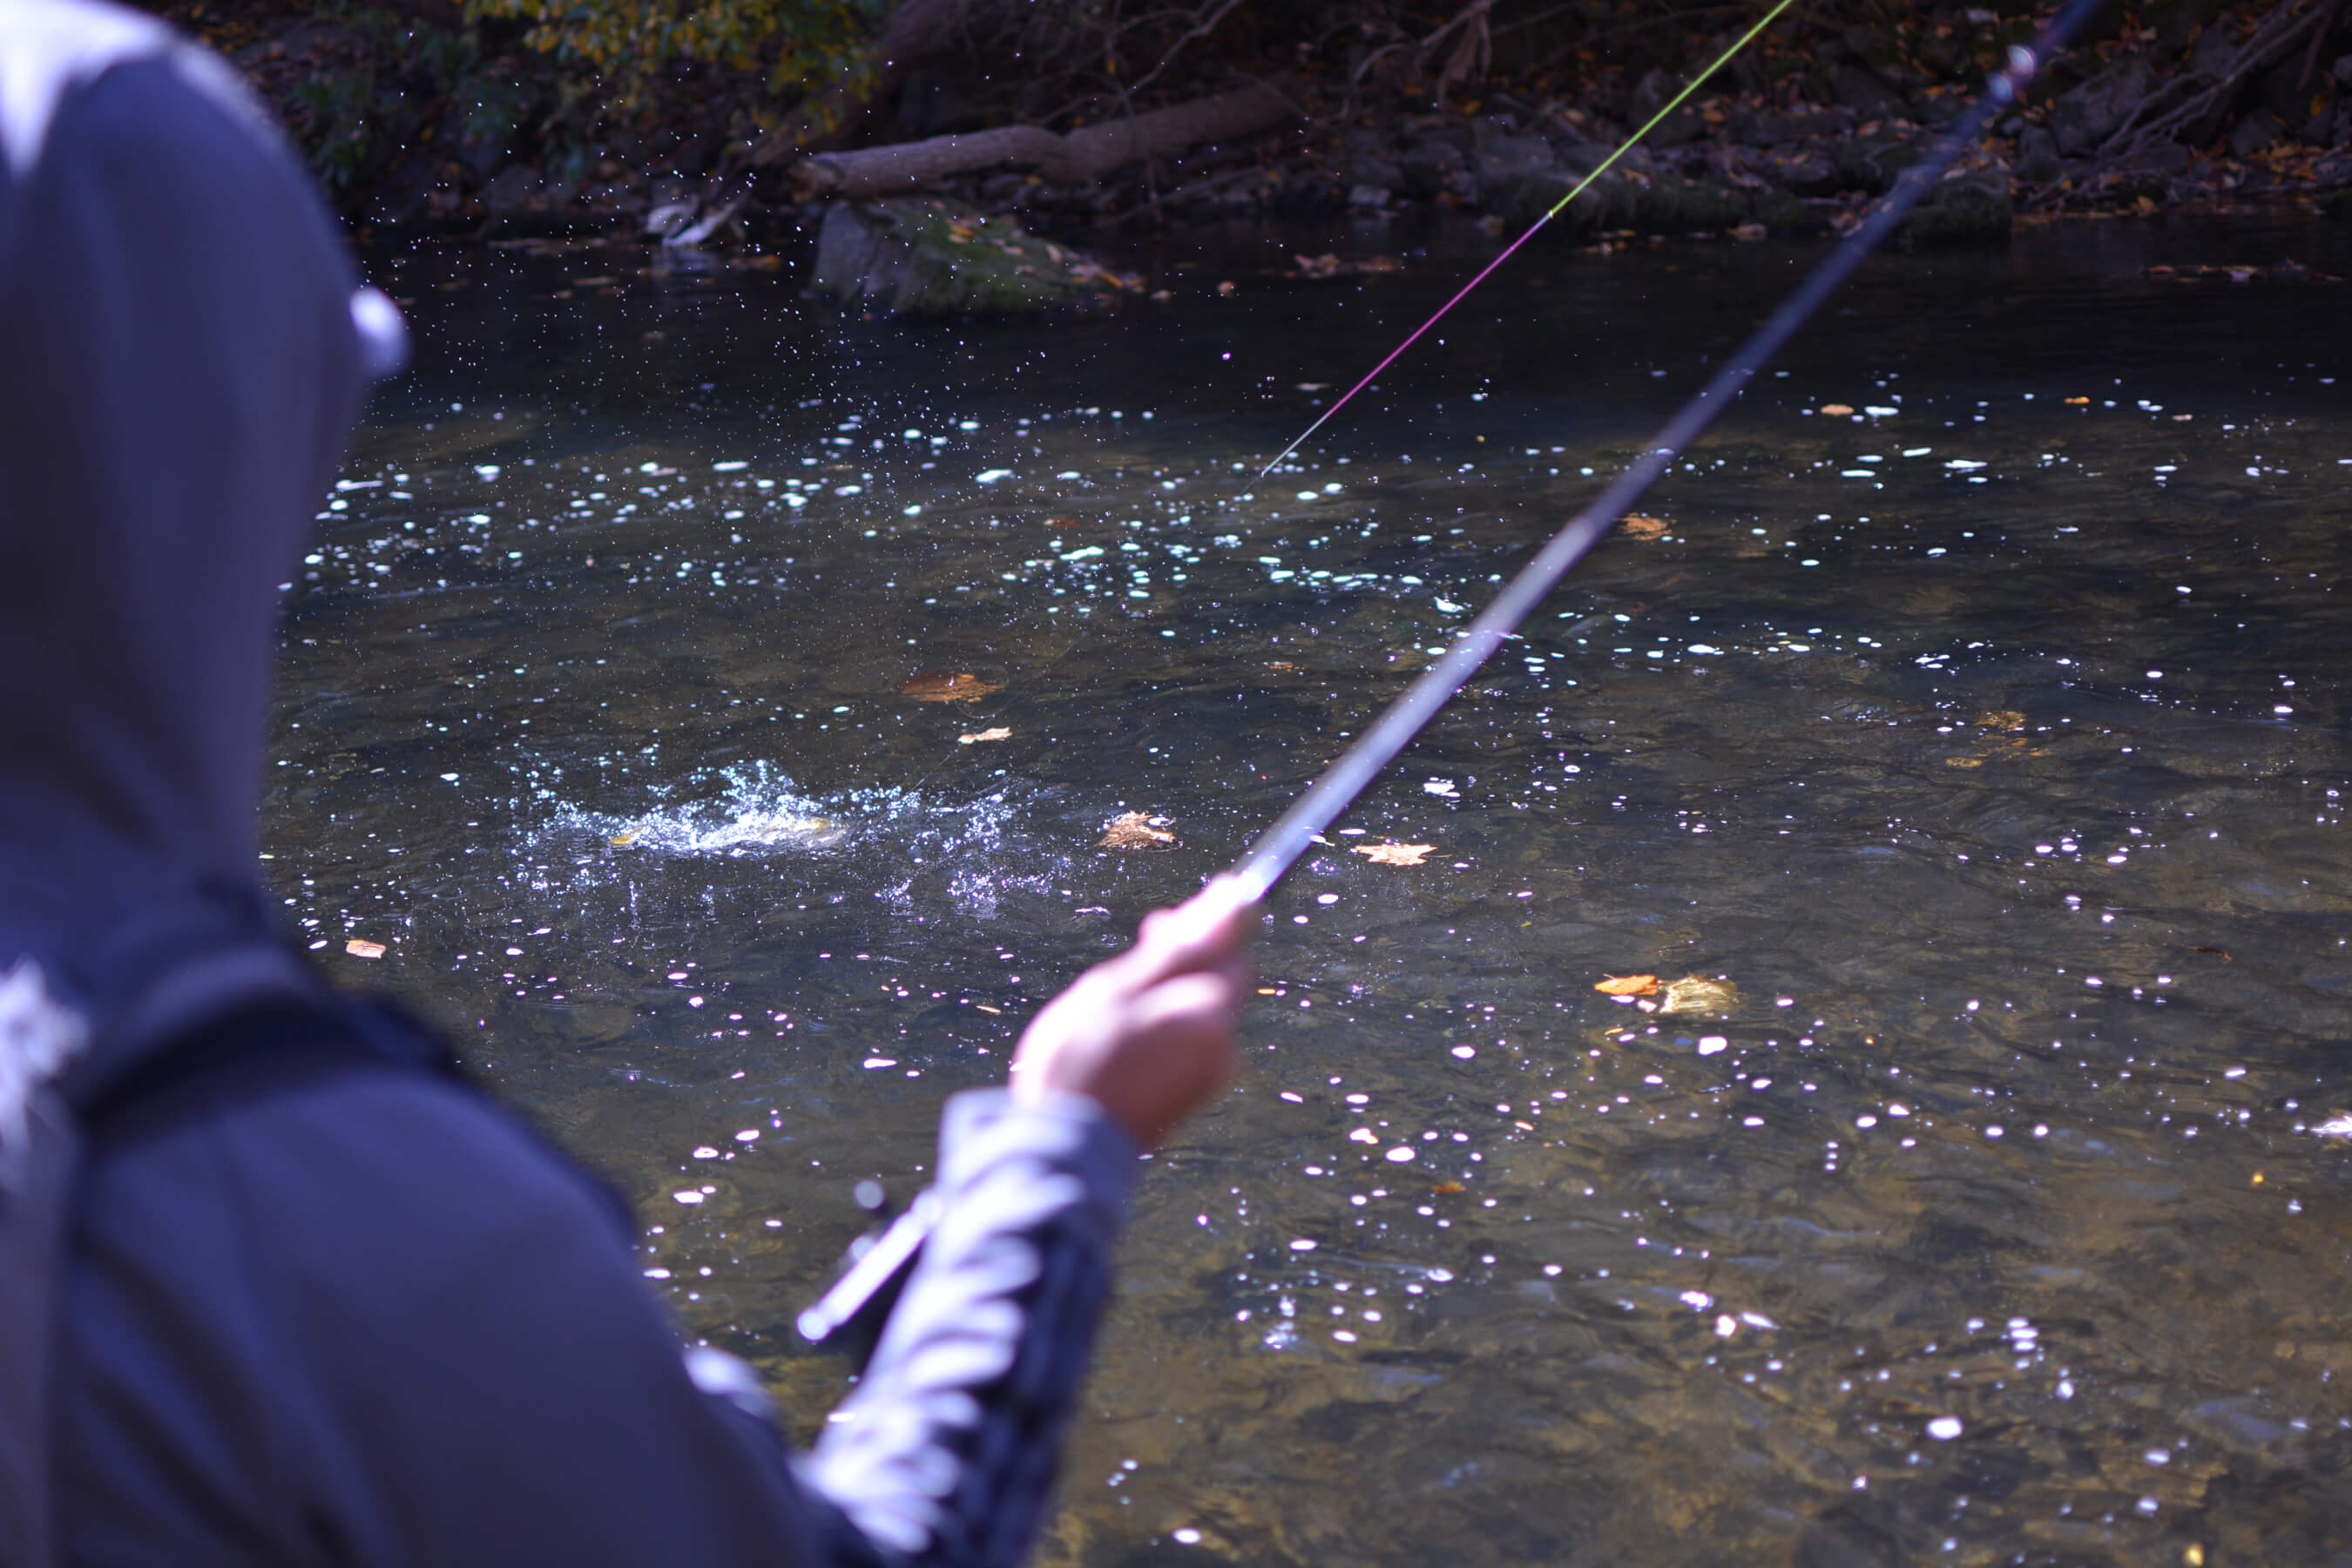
(852,1310)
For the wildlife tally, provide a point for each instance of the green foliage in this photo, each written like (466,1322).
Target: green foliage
(803,43)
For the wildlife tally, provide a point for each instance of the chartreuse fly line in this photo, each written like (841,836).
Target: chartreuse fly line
(1557,207)
(863,1292)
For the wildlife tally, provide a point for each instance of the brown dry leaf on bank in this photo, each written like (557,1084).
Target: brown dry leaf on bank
(1837,410)
(360,948)
(1394,854)
(1133,830)
(999,733)
(1628,985)
(1697,994)
(1637,527)
(947,686)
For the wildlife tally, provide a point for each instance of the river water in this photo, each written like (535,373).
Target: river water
(1981,746)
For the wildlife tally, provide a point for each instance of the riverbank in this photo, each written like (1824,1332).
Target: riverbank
(422,123)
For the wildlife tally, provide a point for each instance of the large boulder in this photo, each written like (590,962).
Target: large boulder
(1871,162)
(1507,163)
(1784,213)
(1432,165)
(1603,205)
(1974,206)
(2087,115)
(913,255)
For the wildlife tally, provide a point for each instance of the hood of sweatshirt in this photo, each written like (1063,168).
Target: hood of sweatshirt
(180,364)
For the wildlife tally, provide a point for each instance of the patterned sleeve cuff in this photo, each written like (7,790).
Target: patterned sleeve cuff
(947,1451)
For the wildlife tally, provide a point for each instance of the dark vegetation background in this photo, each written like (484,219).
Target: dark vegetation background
(474,114)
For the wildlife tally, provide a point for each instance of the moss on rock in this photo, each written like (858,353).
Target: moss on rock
(914,256)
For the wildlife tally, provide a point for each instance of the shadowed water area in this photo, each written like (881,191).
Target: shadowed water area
(1986,740)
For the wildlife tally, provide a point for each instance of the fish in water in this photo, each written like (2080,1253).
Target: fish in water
(756,829)
(776,830)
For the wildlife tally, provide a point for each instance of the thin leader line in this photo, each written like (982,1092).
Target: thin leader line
(1508,251)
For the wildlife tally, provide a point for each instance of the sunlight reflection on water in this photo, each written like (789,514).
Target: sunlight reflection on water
(1995,1175)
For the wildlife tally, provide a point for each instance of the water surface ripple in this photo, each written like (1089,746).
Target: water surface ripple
(1986,737)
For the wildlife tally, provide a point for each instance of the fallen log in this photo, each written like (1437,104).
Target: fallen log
(1071,157)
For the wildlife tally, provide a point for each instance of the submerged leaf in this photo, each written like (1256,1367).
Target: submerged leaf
(1133,830)
(1628,985)
(1644,527)
(999,733)
(1447,1189)
(947,686)
(1697,994)
(1394,854)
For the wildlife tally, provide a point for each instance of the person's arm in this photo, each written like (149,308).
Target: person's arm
(947,1451)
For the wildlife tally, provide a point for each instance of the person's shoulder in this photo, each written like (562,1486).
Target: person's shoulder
(374,1173)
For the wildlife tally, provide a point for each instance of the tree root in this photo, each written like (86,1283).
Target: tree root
(2192,96)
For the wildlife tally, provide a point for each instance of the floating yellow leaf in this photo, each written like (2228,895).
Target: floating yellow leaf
(1644,527)
(359,948)
(999,733)
(1628,985)
(2078,401)
(1133,830)
(1394,854)
(1964,762)
(1838,409)
(1697,994)
(947,686)
(623,840)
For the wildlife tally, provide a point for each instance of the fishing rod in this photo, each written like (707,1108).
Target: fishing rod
(853,1309)
(1511,249)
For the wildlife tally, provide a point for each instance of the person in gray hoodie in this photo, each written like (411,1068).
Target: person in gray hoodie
(319,1301)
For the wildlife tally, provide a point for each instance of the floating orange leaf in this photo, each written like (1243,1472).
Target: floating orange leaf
(1447,1189)
(359,948)
(2078,401)
(1133,830)
(947,686)
(1394,854)
(1839,410)
(1645,527)
(999,733)
(1628,985)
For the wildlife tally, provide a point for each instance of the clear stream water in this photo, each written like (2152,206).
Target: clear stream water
(1988,740)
